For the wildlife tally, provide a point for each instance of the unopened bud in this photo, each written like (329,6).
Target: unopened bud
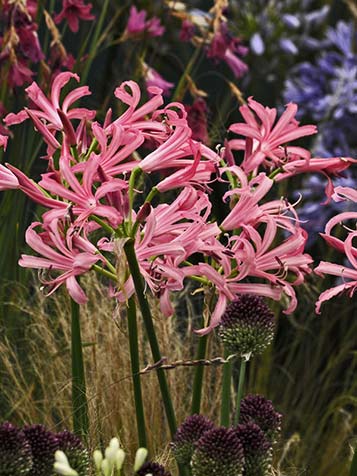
(140,458)
(64,469)
(119,459)
(143,213)
(98,458)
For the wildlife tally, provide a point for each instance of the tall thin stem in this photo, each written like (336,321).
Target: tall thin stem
(135,368)
(243,366)
(79,396)
(226,392)
(353,470)
(150,330)
(198,378)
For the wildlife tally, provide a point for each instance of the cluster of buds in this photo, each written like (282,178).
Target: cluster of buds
(242,450)
(31,451)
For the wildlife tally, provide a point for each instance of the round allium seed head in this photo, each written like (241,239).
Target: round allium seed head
(150,467)
(257,449)
(187,434)
(218,452)
(247,325)
(15,451)
(259,410)
(43,446)
(75,451)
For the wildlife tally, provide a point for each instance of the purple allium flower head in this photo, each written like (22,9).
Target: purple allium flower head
(153,468)
(257,449)
(75,451)
(188,433)
(15,451)
(218,451)
(259,410)
(247,325)
(43,447)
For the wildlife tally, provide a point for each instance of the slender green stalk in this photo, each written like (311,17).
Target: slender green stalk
(147,317)
(198,378)
(135,368)
(243,366)
(79,397)
(226,392)
(353,470)
(180,89)
(94,43)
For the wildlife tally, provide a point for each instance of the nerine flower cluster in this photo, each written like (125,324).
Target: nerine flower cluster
(140,176)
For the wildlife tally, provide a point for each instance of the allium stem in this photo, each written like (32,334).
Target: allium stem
(243,366)
(147,317)
(79,397)
(353,469)
(198,378)
(226,392)
(135,368)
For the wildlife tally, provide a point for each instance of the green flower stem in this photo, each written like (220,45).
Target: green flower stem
(79,397)
(134,174)
(226,392)
(105,272)
(180,90)
(243,366)
(353,470)
(135,369)
(95,41)
(198,378)
(147,317)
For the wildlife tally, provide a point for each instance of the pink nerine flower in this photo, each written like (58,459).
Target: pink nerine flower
(153,79)
(73,11)
(47,113)
(265,143)
(137,23)
(63,251)
(346,246)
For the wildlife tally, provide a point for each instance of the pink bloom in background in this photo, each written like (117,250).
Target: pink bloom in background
(73,11)
(153,79)
(137,24)
(265,142)
(225,47)
(187,30)
(8,180)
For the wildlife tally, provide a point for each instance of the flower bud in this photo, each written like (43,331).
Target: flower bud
(155,469)
(98,458)
(75,451)
(259,410)
(218,452)
(257,450)
(64,469)
(15,451)
(119,459)
(247,325)
(187,434)
(140,458)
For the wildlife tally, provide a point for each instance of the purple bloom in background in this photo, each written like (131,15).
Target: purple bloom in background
(138,24)
(225,47)
(73,11)
(326,91)
(153,79)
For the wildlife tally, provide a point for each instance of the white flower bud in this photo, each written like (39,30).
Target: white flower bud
(64,469)
(60,457)
(106,469)
(114,443)
(119,459)
(98,458)
(140,458)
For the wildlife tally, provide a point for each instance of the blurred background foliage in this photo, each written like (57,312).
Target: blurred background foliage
(309,372)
